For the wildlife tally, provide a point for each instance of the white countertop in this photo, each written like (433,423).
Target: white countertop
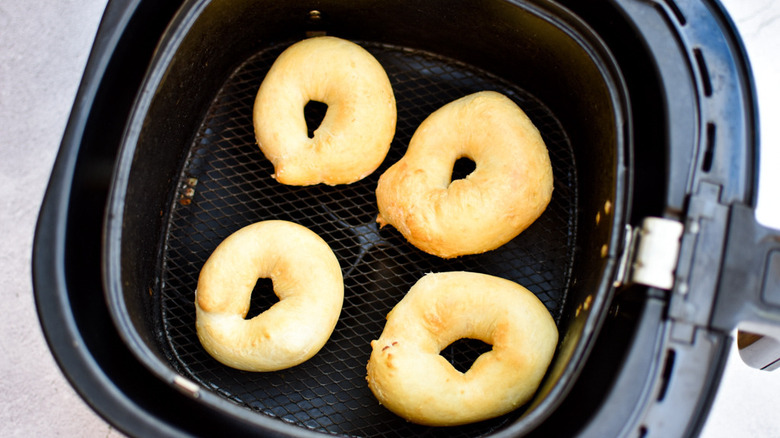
(43,49)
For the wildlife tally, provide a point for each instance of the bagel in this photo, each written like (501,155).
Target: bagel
(306,277)
(407,374)
(358,127)
(507,191)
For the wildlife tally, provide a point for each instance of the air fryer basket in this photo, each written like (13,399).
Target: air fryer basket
(226,184)
(190,173)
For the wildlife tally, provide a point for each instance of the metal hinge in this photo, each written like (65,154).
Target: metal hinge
(650,253)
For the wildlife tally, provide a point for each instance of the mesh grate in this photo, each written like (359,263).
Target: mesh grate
(226,185)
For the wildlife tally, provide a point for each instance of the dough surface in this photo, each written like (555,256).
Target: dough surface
(408,375)
(507,191)
(306,277)
(355,134)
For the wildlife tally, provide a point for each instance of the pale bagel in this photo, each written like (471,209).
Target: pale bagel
(407,374)
(306,277)
(359,125)
(507,191)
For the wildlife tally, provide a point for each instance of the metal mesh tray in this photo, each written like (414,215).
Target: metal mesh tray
(225,184)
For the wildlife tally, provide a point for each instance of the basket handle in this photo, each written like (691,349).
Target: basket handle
(748,295)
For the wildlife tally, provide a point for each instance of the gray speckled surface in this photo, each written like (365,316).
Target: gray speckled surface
(43,49)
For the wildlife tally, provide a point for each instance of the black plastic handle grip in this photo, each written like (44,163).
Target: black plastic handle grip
(748,294)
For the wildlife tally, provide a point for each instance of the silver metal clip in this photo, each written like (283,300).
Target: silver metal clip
(650,254)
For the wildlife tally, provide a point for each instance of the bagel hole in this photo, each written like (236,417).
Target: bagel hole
(263,297)
(314,113)
(463,352)
(462,168)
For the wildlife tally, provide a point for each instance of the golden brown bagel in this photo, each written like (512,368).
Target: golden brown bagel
(306,277)
(508,190)
(355,135)
(407,374)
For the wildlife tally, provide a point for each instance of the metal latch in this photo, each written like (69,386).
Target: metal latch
(650,254)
